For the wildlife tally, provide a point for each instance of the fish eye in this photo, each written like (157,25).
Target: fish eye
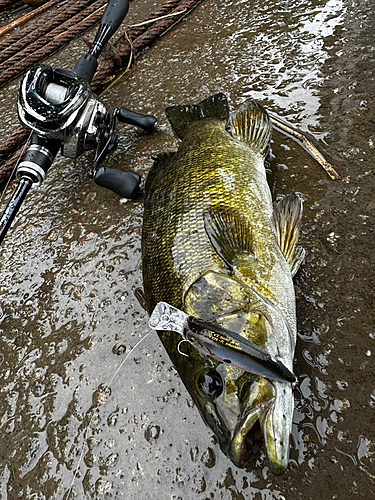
(210,383)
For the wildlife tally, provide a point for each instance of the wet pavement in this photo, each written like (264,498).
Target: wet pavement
(71,263)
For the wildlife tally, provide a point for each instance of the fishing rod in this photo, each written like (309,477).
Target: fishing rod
(62,112)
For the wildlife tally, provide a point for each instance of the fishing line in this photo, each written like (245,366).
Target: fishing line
(106,388)
(131,56)
(15,167)
(185,12)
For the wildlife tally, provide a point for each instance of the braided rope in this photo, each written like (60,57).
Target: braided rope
(20,39)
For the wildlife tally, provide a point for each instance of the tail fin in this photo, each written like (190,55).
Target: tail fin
(252,125)
(213,107)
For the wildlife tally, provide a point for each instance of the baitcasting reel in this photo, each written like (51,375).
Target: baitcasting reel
(63,113)
(57,104)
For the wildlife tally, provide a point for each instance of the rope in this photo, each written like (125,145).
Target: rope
(17,41)
(51,42)
(27,17)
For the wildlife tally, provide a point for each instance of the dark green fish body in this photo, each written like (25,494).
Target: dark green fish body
(214,246)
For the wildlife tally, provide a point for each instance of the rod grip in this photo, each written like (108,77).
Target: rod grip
(114,14)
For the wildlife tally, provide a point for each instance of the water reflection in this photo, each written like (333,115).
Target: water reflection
(285,69)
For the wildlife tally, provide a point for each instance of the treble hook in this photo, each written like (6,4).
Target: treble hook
(178,347)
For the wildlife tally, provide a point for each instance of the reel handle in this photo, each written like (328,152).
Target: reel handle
(145,122)
(122,182)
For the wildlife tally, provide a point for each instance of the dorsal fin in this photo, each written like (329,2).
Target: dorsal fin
(287,216)
(252,125)
(229,233)
(213,107)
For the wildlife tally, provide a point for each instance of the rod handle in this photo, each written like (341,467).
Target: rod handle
(114,14)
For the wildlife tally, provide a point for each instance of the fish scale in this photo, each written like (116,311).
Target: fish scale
(180,193)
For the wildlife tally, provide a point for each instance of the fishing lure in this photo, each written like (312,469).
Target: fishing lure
(218,342)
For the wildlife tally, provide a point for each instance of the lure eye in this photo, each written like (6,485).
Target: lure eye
(210,383)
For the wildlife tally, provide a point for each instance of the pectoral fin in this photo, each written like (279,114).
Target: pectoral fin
(287,216)
(230,235)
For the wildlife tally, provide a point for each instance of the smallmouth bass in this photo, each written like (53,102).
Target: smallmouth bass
(215,246)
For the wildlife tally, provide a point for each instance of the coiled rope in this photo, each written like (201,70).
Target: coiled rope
(7,4)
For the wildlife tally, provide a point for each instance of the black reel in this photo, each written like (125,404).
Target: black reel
(63,113)
(57,104)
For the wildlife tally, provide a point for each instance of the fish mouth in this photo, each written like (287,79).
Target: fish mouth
(250,434)
(277,426)
(248,437)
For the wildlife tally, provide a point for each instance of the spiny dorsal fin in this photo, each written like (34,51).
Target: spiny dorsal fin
(287,216)
(251,124)
(213,107)
(229,233)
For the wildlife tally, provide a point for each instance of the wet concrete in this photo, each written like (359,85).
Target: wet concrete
(71,262)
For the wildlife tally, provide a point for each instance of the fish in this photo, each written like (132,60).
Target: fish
(216,246)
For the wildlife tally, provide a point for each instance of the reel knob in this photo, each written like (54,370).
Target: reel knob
(122,182)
